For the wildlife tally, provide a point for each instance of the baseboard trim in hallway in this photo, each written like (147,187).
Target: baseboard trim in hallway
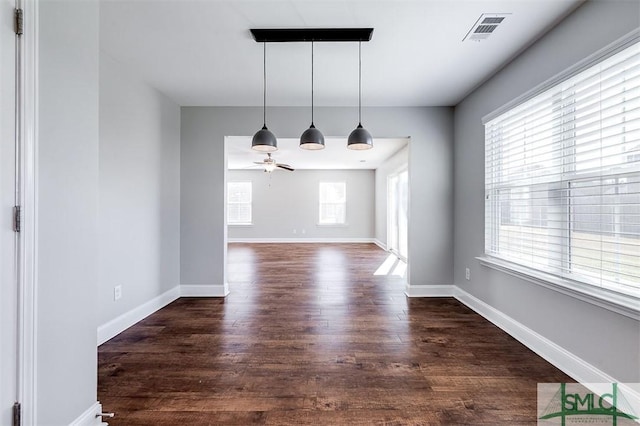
(380,244)
(119,324)
(442,290)
(565,361)
(213,290)
(90,417)
(574,366)
(314,334)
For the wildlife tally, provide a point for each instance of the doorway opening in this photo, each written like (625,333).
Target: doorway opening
(281,206)
(398,214)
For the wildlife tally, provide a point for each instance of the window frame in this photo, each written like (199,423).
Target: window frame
(249,203)
(320,205)
(573,285)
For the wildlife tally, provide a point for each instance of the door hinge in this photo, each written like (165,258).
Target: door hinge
(17,414)
(16,218)
(18,22)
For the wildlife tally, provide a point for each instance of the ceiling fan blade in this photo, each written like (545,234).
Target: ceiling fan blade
(260,163)
(285,167)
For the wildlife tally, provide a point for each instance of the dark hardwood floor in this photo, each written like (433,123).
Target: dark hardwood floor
(309,335)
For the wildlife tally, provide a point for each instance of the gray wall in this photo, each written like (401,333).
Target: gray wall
(393,165)
(67,210)
(139,210)
(607,340)
(203,252)
(287,201)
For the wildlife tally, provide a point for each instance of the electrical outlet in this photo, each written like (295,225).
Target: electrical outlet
(117,292)
(294,231)
(467,274)
(304,231)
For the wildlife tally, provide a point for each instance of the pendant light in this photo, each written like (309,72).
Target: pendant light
(312,138)
(264,140)
(360,138)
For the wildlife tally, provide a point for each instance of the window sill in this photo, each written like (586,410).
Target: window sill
(332,225)
(241,225)
(626,305)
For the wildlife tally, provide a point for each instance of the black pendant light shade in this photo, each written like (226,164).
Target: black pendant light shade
(264,140)
(360,138)
(312,138)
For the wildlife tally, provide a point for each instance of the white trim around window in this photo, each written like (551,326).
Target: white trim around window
(562,181)
(616,302)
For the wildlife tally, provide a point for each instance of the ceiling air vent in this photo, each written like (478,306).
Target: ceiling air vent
(485,26)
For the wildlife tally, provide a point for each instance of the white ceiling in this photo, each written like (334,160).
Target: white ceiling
(334,156)
(201,52)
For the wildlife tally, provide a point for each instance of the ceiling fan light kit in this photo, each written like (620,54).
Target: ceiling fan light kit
(312,139)
(270,164)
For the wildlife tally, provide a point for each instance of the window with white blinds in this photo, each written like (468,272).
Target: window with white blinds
(239,203)
(333,203)
(562,178)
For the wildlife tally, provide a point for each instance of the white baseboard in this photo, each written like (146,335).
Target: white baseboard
(567,362)
(211,290)
(380,244)
(89,418)
(572,365)
(126,320)
(300,240)
(436,290)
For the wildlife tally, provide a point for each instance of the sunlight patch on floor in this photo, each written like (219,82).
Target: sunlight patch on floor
(400,269)
(392,266)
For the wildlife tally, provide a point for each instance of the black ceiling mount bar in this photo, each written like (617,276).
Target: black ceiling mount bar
(285,35)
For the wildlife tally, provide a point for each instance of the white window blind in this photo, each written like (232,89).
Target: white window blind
(239,203)
(333,203)
(562,178)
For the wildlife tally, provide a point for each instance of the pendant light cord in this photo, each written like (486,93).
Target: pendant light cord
(360,82)
(312,82)
(264,84)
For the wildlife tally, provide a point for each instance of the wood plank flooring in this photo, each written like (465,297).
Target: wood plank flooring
(309,335)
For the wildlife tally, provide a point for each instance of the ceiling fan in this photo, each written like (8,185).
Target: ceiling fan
(270,164)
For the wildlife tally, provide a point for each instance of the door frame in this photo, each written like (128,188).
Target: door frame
(396,175)
(392,234)
(26,173)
